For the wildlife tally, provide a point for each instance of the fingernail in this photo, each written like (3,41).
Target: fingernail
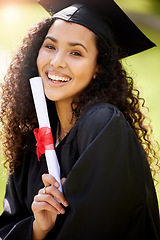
(65,203)
(62,211)
(56,184)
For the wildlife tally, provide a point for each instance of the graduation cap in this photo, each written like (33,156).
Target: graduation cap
(104,18)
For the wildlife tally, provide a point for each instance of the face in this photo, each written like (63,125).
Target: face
(67,60)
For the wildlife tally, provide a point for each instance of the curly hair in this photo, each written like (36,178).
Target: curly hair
(112,84)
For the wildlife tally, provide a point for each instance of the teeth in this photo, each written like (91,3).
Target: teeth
(57,78)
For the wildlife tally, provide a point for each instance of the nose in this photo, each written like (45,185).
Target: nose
(58,60)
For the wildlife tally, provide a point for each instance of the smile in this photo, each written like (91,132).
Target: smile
(58,78)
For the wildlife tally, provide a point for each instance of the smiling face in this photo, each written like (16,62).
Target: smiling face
(67,60)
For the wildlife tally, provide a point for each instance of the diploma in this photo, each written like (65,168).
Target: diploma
(43,120)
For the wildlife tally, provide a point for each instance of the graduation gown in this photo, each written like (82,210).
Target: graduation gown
(109,186)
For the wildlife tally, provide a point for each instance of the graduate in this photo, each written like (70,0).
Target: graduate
(103,147)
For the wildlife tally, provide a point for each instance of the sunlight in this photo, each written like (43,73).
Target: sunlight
(11,13)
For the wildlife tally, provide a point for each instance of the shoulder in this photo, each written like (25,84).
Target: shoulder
(98,119)
(97,116)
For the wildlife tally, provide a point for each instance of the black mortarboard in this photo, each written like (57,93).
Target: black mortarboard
(100,16)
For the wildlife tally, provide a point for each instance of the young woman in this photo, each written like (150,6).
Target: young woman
(101,141)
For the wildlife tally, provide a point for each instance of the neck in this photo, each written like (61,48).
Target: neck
(64,113)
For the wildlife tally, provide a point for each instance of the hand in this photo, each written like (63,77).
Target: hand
(46,206)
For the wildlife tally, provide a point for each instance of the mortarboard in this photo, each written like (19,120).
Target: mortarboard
(100,16)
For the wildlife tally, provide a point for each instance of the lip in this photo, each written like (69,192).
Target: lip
(57,83)
(56,73)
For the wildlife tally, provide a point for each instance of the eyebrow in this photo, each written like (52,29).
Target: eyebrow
(70,44)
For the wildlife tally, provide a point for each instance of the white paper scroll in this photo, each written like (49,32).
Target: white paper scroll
(43,120)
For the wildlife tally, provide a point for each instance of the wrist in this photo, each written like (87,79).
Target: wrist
(37,233)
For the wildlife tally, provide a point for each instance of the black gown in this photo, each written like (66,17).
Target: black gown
(109,186)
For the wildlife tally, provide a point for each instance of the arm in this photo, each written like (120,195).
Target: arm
(45,207)
(106,187)
(15,218)
(24,187)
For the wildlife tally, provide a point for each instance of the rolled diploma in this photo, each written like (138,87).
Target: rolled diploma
(43,120)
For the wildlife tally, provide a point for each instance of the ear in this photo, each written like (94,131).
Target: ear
(96,72)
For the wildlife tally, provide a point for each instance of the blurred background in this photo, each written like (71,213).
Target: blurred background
(17,16)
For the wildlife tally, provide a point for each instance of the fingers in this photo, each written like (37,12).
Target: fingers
(50,198)
(49,180)
(51,187)
(54,192)
(47,202)
(40,204)
(63,180)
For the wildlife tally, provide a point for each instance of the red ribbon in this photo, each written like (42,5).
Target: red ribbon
(44,140)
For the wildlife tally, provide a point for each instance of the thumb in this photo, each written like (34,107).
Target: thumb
(63,180)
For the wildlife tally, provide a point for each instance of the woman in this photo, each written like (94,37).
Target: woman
(98,127)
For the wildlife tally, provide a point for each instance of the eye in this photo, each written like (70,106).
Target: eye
(50,47)
(76,53)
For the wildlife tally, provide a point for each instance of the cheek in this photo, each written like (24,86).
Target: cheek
(41,60)
(89,70)
(84,69)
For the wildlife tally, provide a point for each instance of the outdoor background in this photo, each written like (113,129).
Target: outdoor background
(17,16)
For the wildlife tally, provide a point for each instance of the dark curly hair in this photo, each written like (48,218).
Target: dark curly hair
(112,84)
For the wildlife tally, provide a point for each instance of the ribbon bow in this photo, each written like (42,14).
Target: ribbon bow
(44,139)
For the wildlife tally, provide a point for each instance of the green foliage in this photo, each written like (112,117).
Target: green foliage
(140,6)
(3,179)
(144,67)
